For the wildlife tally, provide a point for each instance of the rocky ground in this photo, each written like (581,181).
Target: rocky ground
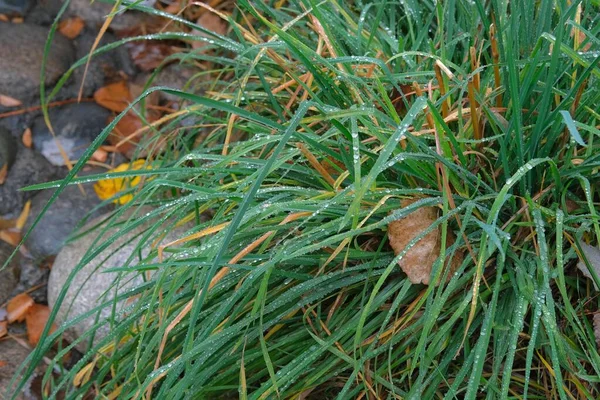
(29,154)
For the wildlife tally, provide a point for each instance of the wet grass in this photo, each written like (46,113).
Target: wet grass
(318,118)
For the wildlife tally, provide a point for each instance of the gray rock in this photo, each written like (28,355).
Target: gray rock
(32,274)
(43,12)
(75,125)
(8,148)
(12,7)
(9,277)
(103,68)
(175,76)
(30,168)
(21,54)
(90,285)
(95,13)
(13,354)
(63,216)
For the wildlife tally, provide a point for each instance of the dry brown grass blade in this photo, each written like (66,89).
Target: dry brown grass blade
(101,33)
(316,164)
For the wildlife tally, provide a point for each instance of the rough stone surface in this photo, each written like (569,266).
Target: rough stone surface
(12,354)
(30,168)
(33,274)
(60,220)
(21,54)
(103,67)
(76,126)
(43,12)
(90,283)
(9,277)
(94,14)
(175,76)
(14,7)
(8,148)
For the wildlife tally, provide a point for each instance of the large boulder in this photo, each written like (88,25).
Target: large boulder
(21,55)
(92,285)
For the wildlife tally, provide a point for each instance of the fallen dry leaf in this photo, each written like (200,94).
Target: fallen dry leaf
(3,173)
(211,22)
(17,20)
(116,96)
(11,237)
(592,254)
(18,306)
(3,329)
(149,54)
(7,101)
(71,27)
(129,124)
(419,259)
(36,319)
(4,18)
(20,223)
(27,138)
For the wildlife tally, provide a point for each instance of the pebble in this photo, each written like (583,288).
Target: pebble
(14,7)
(94,14)
(8,148)
(21,54)
(90,282)
(30,168)
(75,125)
(63,216)
(9,277)
(12,355)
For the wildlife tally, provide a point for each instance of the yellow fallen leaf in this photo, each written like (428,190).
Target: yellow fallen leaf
(107,188)
(20,223)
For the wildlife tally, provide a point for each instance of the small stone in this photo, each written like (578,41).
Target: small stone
(90,284)
(63,216)
(12,355)
(174,76)
(43,12)
(14,7)
(30,168)
(94,14)
(103,68)
(8,148)
(75,125)
(9,277)
(21,54)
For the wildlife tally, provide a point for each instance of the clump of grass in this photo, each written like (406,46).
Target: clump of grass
(320,119)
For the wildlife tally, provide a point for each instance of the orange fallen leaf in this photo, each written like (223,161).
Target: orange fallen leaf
(211,22)
(4,18)
(17,20)
(71,27)
(3,173)
(419,259)
(7,101)
(36,319)
(116,96)
(27,138)
(11,237)
(129,124)
(3,331)
(18,306)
